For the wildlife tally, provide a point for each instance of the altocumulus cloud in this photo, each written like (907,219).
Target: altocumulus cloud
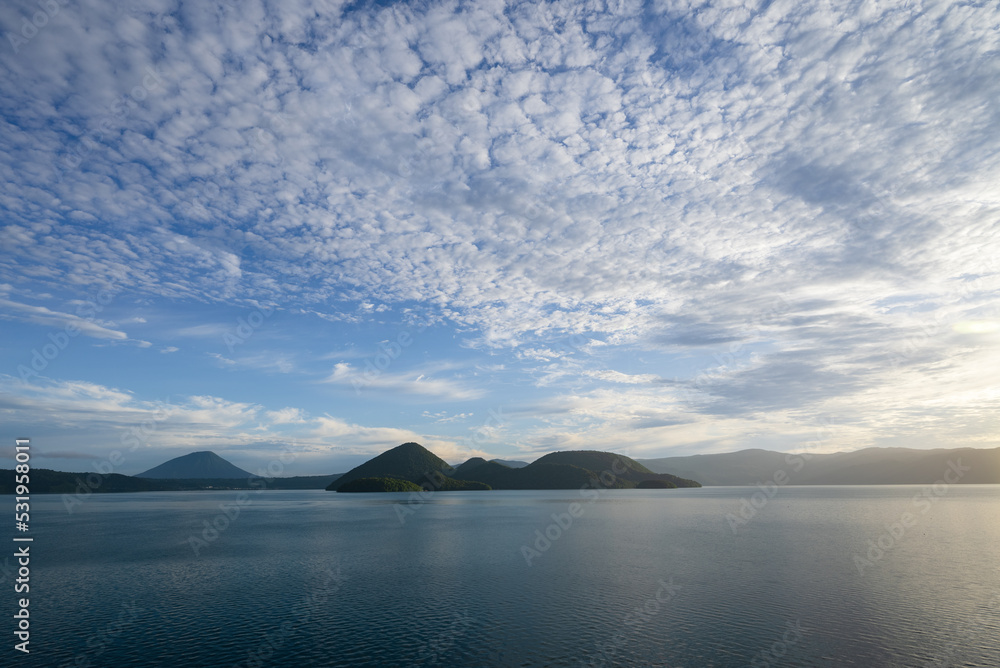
(806,192)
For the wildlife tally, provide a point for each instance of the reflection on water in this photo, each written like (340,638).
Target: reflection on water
(636,577)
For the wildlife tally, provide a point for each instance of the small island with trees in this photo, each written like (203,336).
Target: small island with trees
(412,467)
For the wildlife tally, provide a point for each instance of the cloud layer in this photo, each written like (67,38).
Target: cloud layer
(753,215)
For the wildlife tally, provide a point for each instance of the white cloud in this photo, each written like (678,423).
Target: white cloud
(408,383)
(287,416)
(345,436)
(444,417)
(625,378)
(206,330)
(653,181)
(273,362)
(73,324)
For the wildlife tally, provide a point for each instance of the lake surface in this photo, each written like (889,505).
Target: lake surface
(640,577)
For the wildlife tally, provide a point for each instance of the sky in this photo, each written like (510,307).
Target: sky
(299,234)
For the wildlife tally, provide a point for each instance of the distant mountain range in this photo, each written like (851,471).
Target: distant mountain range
(413,463)
(513,463)
(871,466)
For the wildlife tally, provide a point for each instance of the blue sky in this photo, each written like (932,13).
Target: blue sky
(497,229)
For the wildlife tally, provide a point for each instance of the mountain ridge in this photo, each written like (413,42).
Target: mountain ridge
(868,466)
(569,469)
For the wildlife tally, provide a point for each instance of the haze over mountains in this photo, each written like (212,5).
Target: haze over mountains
(559,470)
(513,463)
(870,466)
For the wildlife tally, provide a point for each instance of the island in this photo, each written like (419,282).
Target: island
(575,469)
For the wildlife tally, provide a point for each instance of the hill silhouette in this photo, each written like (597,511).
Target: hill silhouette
(572,469)
(410,462)
(532,476)
(468,465)
(625,469)
(204,464)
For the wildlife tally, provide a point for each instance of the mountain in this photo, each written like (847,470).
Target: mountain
(870,466)
(732,468)
(568,470)
(196,465)
(532,476)
(558,470)
(469,464)
(407,462)
(513,463)
(625,469)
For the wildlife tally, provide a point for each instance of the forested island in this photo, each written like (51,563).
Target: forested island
(575,469)
(412,463)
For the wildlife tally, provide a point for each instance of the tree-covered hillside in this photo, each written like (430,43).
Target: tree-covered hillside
(379,485)
(409,461)
(626,471)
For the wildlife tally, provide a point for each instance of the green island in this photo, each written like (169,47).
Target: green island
(409,467)
(416,464)
(379,485)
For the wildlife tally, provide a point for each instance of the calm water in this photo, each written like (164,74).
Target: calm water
(645,577)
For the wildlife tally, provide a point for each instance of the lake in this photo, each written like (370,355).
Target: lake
(811,576)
